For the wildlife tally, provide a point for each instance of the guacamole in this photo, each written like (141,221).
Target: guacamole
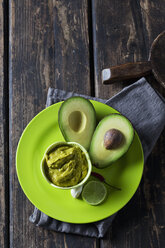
(66,165)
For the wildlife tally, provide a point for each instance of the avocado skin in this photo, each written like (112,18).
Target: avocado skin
(91,125)
(101,164)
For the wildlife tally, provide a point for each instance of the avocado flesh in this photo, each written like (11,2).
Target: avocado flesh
(100,156)
(77,120)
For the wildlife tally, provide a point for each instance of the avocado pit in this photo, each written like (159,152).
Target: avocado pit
(113,139)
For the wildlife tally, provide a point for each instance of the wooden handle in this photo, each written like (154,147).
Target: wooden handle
(125,71)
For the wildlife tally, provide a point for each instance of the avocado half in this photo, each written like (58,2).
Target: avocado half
(77,120)
(102,157)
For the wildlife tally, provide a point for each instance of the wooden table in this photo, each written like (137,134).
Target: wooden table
(66,44)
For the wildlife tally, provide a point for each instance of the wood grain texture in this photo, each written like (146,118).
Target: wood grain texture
(154,22)
(37,62)
(72,65)
(31,73)
(122,32)
(118,38)
(4,192)
(125,34)
(157,58)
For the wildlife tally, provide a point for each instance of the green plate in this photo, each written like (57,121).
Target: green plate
(41,132)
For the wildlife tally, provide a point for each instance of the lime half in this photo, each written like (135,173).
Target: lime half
(94,192)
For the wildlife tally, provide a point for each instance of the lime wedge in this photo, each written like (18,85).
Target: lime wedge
(94,192)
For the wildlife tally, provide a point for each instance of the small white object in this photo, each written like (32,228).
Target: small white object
(106,74)
(76,192)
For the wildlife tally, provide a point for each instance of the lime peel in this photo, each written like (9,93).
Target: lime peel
(94,192)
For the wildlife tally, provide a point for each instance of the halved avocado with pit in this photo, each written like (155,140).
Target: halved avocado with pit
(111,140)
(77,120)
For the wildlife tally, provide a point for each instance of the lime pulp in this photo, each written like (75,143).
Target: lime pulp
(94,192)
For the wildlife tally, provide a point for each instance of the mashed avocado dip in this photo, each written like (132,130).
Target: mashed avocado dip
(66,165)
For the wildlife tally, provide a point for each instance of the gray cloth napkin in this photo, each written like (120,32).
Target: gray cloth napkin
(145,108)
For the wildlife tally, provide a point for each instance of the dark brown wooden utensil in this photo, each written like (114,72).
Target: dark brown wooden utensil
(155,65)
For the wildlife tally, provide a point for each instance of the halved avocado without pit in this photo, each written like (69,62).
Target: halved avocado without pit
(111,140)
(77,120)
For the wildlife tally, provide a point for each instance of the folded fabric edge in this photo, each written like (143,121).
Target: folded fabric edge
(94,229)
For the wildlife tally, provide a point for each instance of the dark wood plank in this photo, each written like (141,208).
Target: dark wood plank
(72,68)
(36,63)
(72,65)
(4,183)
(118,39)
(123,32)
(31,72)
(154,22)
